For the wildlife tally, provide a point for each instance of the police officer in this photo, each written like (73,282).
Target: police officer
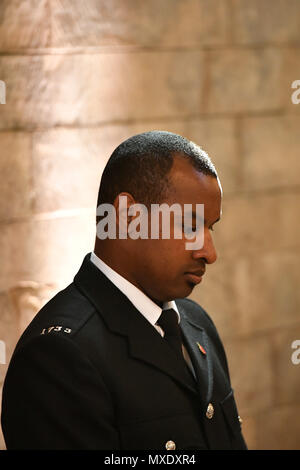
(121,359)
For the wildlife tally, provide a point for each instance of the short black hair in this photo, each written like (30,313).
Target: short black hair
(140,166)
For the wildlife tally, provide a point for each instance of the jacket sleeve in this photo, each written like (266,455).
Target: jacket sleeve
(54,398)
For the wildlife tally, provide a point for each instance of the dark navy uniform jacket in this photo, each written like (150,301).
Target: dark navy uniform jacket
(90,372)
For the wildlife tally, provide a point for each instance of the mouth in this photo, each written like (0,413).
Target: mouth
(194,277)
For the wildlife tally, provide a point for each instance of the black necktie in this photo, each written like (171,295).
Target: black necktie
(168,320)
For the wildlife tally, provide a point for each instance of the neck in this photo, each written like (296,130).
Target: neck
(106,254)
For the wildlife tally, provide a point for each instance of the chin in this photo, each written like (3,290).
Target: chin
(183,292)
(179,292)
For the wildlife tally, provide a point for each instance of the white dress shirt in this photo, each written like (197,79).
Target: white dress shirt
(149,309)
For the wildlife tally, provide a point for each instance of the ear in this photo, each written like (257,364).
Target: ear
(122,203)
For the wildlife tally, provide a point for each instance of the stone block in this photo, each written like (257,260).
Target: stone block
(46,249)
(52,90)
(219,293)
(67,168)
(291,74)
(28,92)
(270,21)
(256,222)
(250,366)
(273,298)
(245,296)
(286,371)
(15,169)
(24,24)
(244,80)
(171,23)
(270,148)
(279,428)
(217,137)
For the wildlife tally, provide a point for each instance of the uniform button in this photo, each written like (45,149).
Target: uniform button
(170,445)
(240,419)
(210,411)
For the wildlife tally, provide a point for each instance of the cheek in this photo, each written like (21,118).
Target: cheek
(168,256)
(161,272)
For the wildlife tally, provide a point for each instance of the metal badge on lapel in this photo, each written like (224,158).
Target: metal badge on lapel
(201,349)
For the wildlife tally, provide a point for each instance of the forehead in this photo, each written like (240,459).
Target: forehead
(190,186)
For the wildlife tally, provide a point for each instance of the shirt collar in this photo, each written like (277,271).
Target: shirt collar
(149,309)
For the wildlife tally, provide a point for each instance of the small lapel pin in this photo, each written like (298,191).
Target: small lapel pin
(201,348)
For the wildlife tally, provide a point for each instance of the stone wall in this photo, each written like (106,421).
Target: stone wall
(83,76)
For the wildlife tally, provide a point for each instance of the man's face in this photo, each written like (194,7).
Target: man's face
(164,269)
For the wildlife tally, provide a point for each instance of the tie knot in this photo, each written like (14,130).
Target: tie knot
(168,320)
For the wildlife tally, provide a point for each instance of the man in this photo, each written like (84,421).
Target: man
(120,359)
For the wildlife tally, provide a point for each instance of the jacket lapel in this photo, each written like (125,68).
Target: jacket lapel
(194,335)
(147,345)
(121,317)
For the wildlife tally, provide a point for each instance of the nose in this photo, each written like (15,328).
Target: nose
(208,251)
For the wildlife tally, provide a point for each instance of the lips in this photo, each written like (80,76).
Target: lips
(199,272)
(195,276)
